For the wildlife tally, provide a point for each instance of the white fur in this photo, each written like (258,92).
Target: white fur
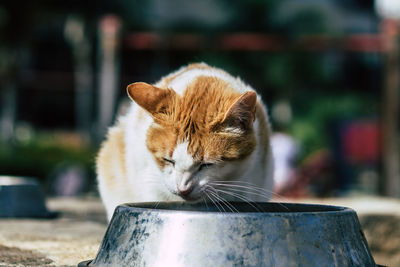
(182,158)
(175,177)
(148,183)
(180,83)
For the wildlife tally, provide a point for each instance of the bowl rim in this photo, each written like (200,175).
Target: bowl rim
(10,180)
(189,208)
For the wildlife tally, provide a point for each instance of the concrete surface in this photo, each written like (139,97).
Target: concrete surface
(65,241)
(76,234)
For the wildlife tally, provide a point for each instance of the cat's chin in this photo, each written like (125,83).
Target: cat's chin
(190,199)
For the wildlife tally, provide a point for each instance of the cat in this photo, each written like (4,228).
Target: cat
(198,134)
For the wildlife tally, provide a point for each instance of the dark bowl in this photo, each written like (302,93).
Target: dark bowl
(22,197)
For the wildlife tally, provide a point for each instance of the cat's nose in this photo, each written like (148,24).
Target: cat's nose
(185,192)
(184,189)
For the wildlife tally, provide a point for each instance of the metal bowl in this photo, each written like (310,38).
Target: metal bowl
(245,234)
(22,197)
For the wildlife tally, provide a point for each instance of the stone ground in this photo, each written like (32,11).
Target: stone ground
(65,241)
(76,234)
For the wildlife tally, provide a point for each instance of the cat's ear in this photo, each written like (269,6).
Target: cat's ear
(149,97)
(242,112)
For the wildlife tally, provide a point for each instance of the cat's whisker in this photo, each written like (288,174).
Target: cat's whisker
(238,196)
(212,201)
(223,201)
(243,183)
(208,196)
(246,190)
(156,205)
(218,201)
(205,202)
(255,190)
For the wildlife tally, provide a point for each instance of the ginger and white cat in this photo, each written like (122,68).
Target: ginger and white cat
(199,134)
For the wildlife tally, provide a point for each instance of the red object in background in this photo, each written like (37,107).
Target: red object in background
(360,143)
(313,177)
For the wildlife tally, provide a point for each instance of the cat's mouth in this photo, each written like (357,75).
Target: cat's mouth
(188,191)
(189,196)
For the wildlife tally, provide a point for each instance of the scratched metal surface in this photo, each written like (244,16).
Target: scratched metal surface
(261,234)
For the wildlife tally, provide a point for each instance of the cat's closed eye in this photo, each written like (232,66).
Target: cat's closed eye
(205,166)
(169,161)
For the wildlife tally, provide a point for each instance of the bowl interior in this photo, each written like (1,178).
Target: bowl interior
(236,207)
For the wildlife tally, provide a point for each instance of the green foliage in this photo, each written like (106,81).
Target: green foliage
(314,117)
(40,156)
(279,70)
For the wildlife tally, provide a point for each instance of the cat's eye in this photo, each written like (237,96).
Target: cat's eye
(205,166)
(170,161)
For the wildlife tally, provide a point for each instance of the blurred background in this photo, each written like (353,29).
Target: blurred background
(328,71)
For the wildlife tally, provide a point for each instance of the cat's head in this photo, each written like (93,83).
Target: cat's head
(200,137)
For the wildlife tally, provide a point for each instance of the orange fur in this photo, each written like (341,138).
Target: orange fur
(111,157)
(199,117)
